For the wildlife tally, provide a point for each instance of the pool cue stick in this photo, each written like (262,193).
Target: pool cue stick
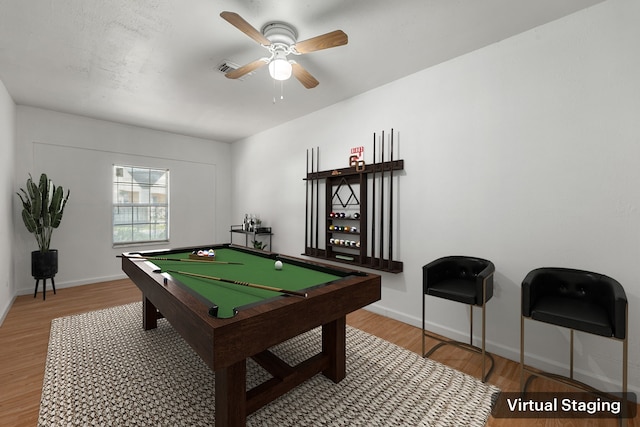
(382,203)
(391,203)
(152,258)
(237,282)
(312,189)
(373,204)
(306,205)
(362,250)
(317,200)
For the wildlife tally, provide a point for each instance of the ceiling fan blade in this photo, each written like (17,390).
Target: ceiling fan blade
(303,76)
(239,22)
(325,41)
(246,69)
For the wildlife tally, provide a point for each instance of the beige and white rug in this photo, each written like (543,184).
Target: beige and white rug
(103,369)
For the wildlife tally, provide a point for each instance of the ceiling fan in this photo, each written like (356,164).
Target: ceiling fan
(280,39)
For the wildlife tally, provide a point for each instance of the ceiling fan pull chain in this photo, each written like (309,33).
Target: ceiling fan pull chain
(281,91)
(274,92)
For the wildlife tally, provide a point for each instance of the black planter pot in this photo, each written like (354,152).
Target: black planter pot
(44,265)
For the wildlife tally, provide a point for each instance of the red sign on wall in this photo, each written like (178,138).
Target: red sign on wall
(358,152)
(356,158)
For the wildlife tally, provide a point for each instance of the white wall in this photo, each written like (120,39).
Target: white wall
(7,194)
(525,152)
(78,153)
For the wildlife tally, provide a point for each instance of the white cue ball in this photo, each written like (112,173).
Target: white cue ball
(278,265)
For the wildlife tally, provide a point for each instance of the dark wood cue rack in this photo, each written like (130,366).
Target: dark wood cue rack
(364,189)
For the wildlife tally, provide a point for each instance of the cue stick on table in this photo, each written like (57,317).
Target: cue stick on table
(236,282)
(153,258)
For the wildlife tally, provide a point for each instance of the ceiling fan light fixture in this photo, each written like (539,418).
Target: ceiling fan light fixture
(281,39)
(279,67)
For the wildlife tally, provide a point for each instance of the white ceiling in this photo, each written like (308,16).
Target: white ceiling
(152,63)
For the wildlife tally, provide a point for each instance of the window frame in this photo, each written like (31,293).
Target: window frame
(137,206)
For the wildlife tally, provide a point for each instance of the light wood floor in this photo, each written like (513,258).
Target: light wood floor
(24,338)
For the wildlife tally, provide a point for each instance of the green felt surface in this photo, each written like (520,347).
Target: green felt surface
(254,269)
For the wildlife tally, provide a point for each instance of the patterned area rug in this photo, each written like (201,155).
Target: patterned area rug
(104,369)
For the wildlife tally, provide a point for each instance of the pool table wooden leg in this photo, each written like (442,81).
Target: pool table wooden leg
(334,344)
(149,314)
(231,395)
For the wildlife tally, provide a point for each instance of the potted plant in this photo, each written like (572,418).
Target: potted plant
(259,245)
(42,209)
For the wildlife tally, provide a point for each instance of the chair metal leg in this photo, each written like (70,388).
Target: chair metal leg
(484,363)
(625,351)
(484,318)
(470,325)
(522,353)
(423,335)
(469,347)
(571,354)
(464,346)
(625,354)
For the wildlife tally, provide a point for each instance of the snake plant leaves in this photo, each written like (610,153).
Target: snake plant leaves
(42,208)
(26,203)
(56,209)
(29,222)
(36,199)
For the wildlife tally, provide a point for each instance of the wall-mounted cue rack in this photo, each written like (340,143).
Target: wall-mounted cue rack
(349,212)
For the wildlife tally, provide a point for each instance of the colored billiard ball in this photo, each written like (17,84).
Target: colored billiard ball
(278,265)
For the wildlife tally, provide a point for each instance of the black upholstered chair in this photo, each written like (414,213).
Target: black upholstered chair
(462,279)
(578,300)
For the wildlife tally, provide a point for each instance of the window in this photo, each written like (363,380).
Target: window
(140,205)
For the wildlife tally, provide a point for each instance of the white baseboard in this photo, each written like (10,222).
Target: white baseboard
(4,310)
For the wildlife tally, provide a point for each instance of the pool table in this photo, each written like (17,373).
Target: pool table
(226,323)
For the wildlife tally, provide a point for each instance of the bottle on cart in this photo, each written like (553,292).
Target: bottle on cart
(245,223)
